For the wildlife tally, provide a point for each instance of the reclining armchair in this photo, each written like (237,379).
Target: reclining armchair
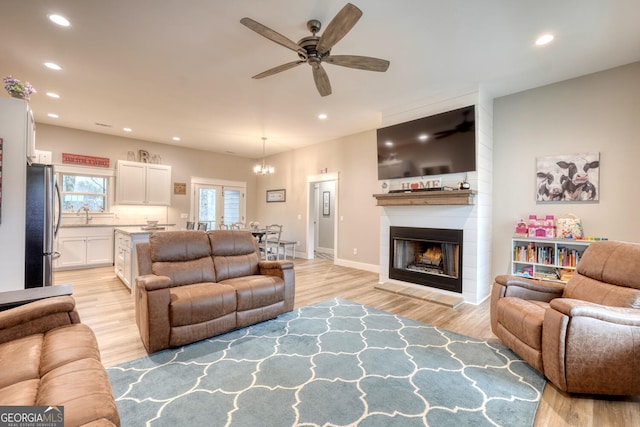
(583,336)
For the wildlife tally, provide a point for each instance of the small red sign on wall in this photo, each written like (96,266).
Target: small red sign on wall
(78,159)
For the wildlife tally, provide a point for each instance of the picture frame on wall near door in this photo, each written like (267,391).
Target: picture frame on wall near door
(276,195)
(326,203)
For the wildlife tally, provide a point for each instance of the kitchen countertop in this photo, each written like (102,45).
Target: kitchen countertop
(138,229)
(110,225)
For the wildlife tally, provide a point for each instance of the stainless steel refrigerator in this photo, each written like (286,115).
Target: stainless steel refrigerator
(42,223)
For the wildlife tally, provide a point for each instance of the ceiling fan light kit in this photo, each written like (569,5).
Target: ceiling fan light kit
(314,50)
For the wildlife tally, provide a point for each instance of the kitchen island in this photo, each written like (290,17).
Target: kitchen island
(124,253)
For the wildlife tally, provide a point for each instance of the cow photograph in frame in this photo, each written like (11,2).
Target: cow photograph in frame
(568,178)
(276,195)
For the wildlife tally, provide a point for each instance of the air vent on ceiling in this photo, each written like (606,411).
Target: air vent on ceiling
(103,125)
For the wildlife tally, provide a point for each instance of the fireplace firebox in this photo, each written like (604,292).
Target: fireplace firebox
(426,256)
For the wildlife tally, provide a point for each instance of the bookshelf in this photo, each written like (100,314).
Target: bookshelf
(546,259)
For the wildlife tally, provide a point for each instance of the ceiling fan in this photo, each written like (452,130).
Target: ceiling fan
(465,125)
(314,50)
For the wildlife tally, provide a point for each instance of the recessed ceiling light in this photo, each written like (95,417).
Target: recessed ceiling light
(127,129)
(544,39)
(52,66)
(389,143)
(176,138)
(53,95)
(423,137)
(52,115)
(322,116)
(60,20)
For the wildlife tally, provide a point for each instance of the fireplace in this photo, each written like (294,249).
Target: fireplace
(426,256)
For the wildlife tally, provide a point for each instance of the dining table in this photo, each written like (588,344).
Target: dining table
(258,232)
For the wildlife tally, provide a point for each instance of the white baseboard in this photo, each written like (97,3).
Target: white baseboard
(357,265)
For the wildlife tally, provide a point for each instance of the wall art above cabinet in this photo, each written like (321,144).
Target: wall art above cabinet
(143,183)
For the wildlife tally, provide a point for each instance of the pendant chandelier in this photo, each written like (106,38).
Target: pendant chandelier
(263,168)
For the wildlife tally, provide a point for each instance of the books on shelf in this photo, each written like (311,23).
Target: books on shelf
(534,254)
(568,257)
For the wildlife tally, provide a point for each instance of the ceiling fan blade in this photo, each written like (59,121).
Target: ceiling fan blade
(338,27)
(277,69)
(322,80)
(444,133)
(270,34)
(360,62)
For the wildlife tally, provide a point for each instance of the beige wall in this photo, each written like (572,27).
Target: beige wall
(594,113)
(185,163)
(353,158)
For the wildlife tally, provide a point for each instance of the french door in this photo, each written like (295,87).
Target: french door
(218,204)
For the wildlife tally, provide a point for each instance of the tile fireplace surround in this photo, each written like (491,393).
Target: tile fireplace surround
(476,248)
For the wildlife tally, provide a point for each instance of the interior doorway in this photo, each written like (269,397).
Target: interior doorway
(322,224)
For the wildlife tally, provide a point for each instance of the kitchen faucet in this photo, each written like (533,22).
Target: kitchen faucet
(85,208)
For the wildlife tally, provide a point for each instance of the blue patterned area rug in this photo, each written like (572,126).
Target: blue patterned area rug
(335,363)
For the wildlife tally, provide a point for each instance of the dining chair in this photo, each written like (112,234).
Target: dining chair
(191,225)
(270,245)
(202,226)
(238,226)
(223,226)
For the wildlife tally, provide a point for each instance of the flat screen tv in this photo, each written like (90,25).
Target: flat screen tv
(440,144)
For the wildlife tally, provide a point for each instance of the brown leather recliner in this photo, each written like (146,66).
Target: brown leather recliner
(49,358)
(583,336)
(194,285)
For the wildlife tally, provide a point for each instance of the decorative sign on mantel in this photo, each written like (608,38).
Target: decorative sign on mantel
(433,183)
(80,160)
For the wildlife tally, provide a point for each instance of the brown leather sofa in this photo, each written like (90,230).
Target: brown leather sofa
(194,285)
(583,336)
(49,358)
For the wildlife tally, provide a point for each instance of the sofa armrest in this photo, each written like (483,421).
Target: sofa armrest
(591,348)
(266,266)
(37,317)
(618,315)
(283,269)
(530,289)
(151,282)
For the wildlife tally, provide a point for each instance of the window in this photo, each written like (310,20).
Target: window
(79,190)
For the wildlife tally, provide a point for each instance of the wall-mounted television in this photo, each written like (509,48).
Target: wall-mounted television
(435,145)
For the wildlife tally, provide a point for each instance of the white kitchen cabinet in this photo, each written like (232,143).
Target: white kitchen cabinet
(143,183)
(125,256)
(122,257)
(84,247)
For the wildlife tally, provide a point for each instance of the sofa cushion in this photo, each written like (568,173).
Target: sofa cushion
(200,302)
(257,291)
(605,275)
(22,393)
(523,319)
(186,272)
(587,289)
(23,368)
(83,388)
(235,253)
(179,246)
(67,344)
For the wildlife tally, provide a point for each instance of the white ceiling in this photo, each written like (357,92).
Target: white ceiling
(184,67)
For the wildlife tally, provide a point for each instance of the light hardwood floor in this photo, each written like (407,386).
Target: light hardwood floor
(105,304)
